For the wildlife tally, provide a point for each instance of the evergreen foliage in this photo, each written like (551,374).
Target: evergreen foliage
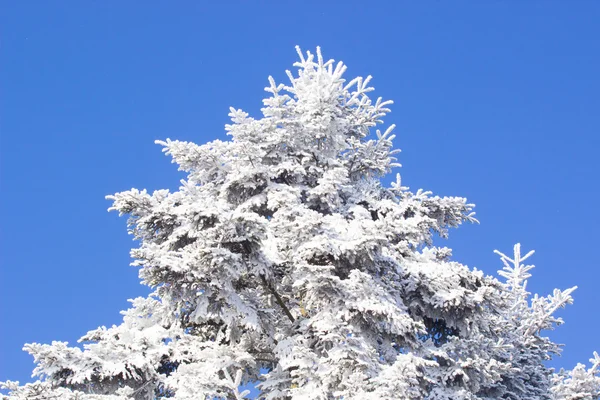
(282,259)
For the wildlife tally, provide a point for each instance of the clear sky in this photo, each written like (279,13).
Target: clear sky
(495,101)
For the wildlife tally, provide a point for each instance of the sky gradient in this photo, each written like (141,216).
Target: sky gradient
(495,101)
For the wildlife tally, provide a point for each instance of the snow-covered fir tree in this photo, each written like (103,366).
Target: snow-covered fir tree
(283,260)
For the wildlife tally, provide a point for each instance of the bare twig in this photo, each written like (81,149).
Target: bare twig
(277,298)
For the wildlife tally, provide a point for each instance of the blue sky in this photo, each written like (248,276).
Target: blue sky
(495,101)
